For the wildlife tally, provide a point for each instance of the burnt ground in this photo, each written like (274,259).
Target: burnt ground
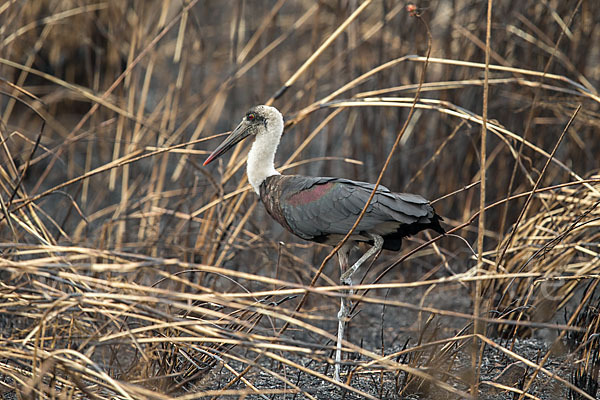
(400,328)
(393,329)
(495,368)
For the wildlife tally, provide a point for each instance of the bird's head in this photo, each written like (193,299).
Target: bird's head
(259,120)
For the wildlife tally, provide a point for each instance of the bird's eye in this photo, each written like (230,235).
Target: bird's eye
(250,117)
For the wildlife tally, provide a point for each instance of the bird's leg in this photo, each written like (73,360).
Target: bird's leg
(345,302)
(345,306)
(342,315)
(346,278)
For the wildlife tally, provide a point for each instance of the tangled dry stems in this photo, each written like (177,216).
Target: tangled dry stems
(129,271)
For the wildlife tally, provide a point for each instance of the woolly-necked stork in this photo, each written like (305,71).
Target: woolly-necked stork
(324,209)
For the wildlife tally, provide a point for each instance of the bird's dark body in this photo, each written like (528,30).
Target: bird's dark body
(323,209)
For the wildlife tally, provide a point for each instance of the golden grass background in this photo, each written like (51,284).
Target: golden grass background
(130,271)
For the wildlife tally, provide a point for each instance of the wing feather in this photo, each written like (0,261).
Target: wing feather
(313,207)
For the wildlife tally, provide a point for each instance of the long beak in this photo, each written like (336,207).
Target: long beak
(239,133)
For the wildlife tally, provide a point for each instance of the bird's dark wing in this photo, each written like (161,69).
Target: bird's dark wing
(316,207)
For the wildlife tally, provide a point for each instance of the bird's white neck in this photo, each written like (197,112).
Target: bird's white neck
(261,158)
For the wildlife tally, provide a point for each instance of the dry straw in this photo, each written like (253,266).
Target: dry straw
(129,271)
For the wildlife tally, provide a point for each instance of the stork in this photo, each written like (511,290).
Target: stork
(324,209)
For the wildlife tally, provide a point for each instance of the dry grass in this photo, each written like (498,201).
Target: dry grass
(129,271)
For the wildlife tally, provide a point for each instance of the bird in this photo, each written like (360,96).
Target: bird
(324,209)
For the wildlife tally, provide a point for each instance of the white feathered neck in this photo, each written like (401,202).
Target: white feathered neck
(261,158)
